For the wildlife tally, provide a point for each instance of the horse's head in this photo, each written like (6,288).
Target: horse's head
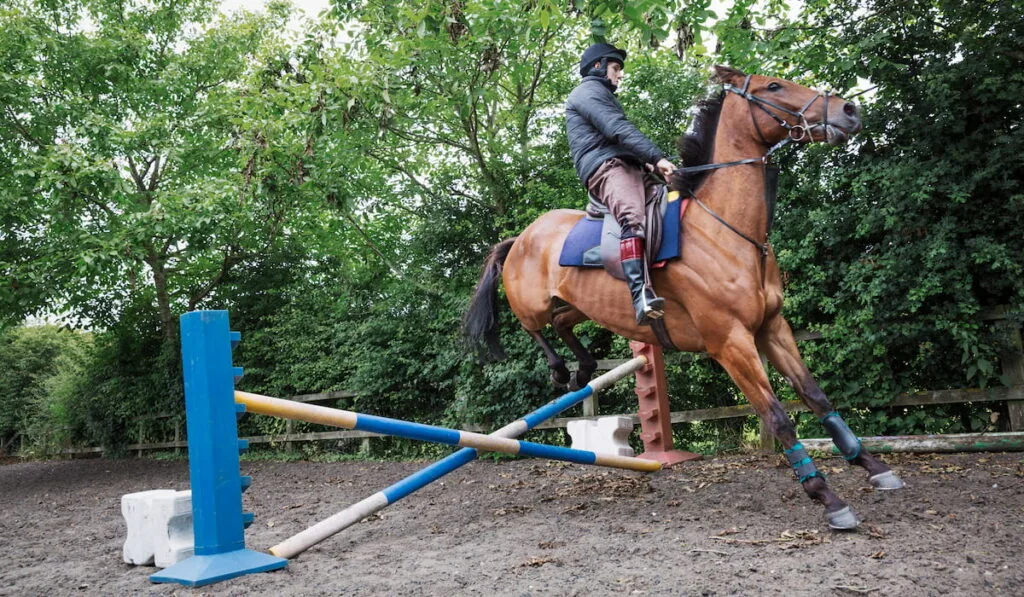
(781,108)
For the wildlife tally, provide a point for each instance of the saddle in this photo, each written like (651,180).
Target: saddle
(594,240)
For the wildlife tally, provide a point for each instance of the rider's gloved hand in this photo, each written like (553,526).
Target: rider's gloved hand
(666,168)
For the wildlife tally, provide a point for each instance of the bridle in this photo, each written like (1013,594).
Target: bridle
(797,132)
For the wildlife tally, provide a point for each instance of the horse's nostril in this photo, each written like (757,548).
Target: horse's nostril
(850,109)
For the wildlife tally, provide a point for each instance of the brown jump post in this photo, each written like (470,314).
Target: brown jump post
(654,410)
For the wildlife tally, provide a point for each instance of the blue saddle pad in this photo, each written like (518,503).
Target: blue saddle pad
(585,237)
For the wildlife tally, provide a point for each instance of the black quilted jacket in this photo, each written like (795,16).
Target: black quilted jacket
(598,129)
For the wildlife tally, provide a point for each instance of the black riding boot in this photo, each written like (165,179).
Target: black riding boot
(647,305)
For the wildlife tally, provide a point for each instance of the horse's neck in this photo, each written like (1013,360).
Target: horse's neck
(736,193)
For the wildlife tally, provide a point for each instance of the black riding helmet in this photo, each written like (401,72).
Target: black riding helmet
(602,53)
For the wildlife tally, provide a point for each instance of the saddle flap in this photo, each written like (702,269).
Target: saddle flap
(611,232)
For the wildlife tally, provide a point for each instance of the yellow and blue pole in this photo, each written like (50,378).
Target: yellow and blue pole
(311,413)
(300,542)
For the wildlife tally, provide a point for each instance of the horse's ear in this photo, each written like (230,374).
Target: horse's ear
(727,74)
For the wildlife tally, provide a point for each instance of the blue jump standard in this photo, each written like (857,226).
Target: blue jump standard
(213,448)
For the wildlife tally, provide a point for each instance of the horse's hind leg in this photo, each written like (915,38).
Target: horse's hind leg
(564,320)
(559,373)
(776,341)
(735,350)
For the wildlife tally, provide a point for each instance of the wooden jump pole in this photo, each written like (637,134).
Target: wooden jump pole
(311,413)
(300,542)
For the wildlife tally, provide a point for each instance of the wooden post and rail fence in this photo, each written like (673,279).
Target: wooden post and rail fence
(1012,363)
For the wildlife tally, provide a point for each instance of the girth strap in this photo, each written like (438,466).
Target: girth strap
(661,333)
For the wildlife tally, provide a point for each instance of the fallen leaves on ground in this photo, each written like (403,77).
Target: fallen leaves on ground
(508,487)
(800,539)
(606,485)
(512,510)
(943,469)
(786,540)
(716,472)
(580,507)
(537,562)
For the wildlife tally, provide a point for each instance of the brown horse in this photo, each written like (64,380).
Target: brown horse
(724,295)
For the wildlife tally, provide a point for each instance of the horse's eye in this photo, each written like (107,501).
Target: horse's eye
(774,87)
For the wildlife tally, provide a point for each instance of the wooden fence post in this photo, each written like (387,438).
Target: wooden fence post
(1013,369)
(177,436)
(289,428)
(142,432)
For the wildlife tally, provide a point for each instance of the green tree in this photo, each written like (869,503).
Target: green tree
(896,246)
(33,358)
(130,168)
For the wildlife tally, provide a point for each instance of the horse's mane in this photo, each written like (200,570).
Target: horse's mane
(695,146)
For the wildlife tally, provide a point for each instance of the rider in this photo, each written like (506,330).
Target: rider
(610,155)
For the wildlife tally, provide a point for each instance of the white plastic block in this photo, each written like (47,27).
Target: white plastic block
(159,527)
(606,435)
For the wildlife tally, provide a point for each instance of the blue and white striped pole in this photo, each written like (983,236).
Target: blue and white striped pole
(300,542)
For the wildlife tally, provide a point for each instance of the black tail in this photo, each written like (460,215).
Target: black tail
(480,324)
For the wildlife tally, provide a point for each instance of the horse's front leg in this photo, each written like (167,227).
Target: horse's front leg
(776,341)
(737,353)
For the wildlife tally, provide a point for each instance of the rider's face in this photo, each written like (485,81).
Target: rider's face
(615,71)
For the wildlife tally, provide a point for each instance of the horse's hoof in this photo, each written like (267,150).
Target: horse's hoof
(574,381)
(886,481)
(559,384)
(842,520)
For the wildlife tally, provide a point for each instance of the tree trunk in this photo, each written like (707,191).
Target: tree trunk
(163,297)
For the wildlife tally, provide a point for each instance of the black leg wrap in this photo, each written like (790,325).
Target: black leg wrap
(842,437)
(803,467)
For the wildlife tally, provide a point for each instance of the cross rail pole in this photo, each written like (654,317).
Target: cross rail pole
(311,413)
(329,527)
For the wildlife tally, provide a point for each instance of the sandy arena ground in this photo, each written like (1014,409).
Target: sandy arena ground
(725,526)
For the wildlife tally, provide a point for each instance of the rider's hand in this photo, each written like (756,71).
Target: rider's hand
(666,168)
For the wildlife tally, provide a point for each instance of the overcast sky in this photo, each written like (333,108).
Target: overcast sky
(310,7)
